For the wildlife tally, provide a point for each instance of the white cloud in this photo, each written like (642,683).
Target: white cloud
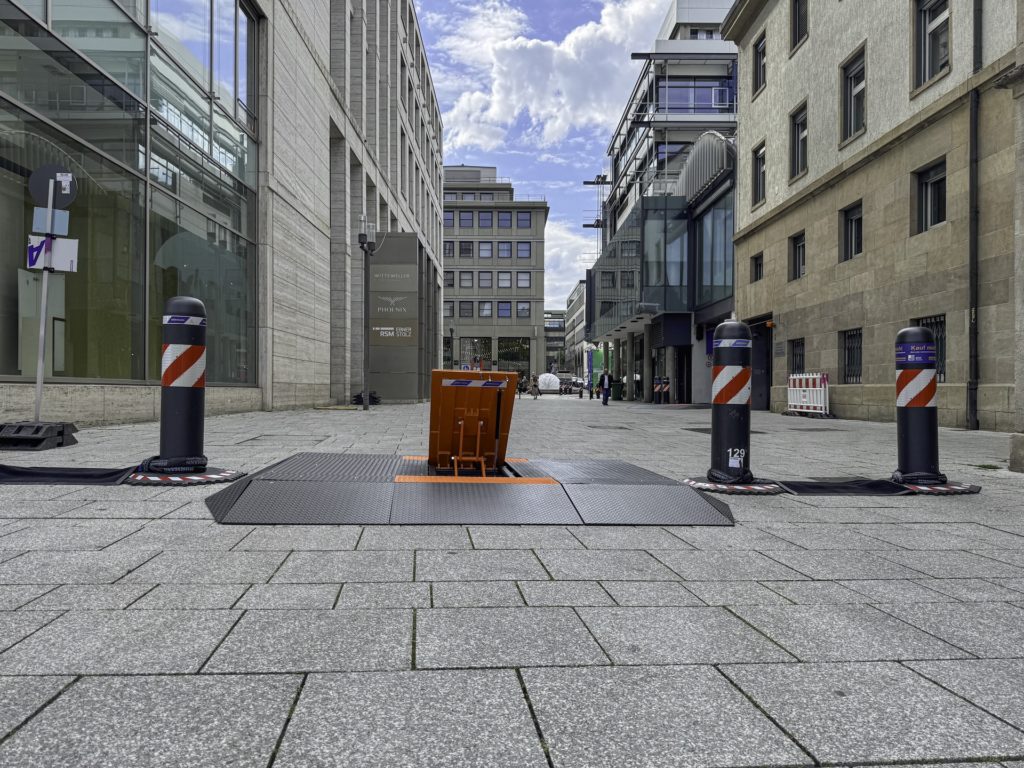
(567,255)
(581,81)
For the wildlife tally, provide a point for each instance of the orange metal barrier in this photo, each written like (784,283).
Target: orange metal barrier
(470,418)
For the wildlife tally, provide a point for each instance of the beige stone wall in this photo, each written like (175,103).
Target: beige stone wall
(900,275)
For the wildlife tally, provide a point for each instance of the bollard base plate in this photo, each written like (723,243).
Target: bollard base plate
(765,488)
(945,489)
(210,476)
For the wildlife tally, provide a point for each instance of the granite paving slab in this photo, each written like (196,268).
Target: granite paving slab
(476,594)
(487,565)
(13,596)
(289,596)
(953,565)
(399,594)
(185,596)
(724,566)
(415,537)
(21,696)
(69,535)
(556,594)
(896,591)
(337,567)
(83,597)
(71,567)
(628,537)
(523,537)
(737,593)
(17,625)
(815,592)
(740,537)
(973,590)
(598,565)
(200,567)
(169,535)
(281,538)
(984,629)
(996,685)
(838,565)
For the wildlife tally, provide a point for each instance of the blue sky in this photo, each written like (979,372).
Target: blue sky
(535,87)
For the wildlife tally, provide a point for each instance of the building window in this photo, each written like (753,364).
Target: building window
(485,249)
(465,279)
(469,195)
(504,219)
(627,279)
(465,249)
(931,196)
(607,279)
(449,218)
(485,279)
(854,101)
(485,196)
(796,357)
(524,250)
(449,309)
(607,308)
(797,256)
(798,142)
(799,22)
(523,280)
(522,309)
(524,219)
(465,309)
(486,219)
(504,279)
(465,219)
(757,268)
(759,66)
(504,309)
(504,250)
(853,232)
(932,39)
(937,325)
(449,248)
(851,348)
(449,279)
(757,185)
(484,309)
(451,196)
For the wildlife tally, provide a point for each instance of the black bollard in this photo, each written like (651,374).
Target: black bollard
(730,404)
(183,388)
(917,419)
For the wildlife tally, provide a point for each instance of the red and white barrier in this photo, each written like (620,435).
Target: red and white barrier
(808,393)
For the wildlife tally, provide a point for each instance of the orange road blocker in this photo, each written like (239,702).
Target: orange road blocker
(470,419)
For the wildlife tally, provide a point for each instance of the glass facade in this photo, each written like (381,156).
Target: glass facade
(160,133)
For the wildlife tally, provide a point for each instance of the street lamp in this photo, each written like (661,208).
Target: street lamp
(367,244)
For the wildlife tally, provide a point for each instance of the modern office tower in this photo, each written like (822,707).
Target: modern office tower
(554,340)
(576,345)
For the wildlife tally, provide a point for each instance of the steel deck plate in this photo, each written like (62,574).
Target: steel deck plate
(280,502)
(591,471)
(646,505)
(342,467)
(479,504)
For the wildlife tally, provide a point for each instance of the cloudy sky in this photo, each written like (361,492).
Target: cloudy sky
(535,87)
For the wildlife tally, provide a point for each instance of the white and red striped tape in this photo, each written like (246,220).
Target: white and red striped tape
(183,365)
(730,385)
(916,388)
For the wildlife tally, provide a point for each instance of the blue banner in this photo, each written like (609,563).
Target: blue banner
(918,353)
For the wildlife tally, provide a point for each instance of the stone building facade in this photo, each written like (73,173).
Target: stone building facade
(855,194)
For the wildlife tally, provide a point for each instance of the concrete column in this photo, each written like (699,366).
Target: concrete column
(1017,439)
(604,357)
(670,369)
(648,374)
(617,371)
(630,357)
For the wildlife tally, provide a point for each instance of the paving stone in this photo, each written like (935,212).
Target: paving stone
(555,594)
(679,716)
(15,596)
(650,593)
(838,565)
(21,696)
(924,536)
(10,554)
(1010,556)
(476,594)
(470,718)
(741,537)
(316,641)
(525,537)
(400,594)
(953,565)
(69,534)
(157,721)
(818,536)
(736,593)
(456,565)
(285,596)
(186,535)
(724,566)
(503,637)
(195,596)
(874,712)
(70,567)
(281,538)
(598,565)
(815,592)
(984,629)
(23,508)
(678,636)
(89,597)
(14,626)
(994,685)
(119,642)
(337,567)
(142,510)
(197,567)
(844,633)
(627,537)
(896,591)
(415,537)
(973,590)
(193,510)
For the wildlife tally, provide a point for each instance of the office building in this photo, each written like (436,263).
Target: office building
(493,245)
(554,340)
(223,149)
(879,150)
(576,345)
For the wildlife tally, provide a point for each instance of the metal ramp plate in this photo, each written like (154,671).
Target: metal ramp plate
(278,502)
(341,467)
(591,471)
(480,504)
(646,505)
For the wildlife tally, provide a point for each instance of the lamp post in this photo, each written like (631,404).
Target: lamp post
(367,244)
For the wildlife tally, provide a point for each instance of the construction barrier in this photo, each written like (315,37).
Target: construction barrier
(807,394)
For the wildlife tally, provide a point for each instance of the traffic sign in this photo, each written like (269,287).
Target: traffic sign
(65,188)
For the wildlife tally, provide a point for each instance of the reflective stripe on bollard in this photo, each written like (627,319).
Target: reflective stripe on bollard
(730,404)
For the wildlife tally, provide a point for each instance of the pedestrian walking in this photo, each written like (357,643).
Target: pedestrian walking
(605,383)
(534,388)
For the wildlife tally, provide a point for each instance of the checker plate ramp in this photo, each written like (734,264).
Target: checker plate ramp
(646,505)
(342,467)
(276,502)
(591,471)
(479,504)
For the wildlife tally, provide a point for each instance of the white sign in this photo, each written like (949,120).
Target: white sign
(41,221)
(64,179)
(62,251)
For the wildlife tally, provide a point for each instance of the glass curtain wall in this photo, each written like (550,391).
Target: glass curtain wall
(160,133)
(714,230)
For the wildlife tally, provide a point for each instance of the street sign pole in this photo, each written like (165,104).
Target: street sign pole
(47,264)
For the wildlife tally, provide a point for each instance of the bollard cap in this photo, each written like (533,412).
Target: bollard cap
(732,329)
(185,305)
(915,335)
